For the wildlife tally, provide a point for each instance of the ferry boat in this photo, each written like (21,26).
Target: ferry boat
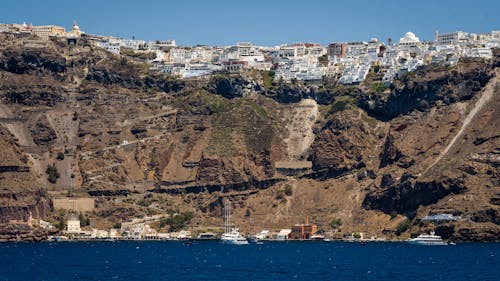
(231,235)
(427,239)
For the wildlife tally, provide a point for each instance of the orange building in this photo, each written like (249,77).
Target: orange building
(303,231)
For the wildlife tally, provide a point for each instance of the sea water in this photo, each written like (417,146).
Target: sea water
(154,260)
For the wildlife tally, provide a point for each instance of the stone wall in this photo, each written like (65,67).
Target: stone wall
(75,204)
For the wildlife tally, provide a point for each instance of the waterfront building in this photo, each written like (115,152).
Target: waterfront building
(73,224)
(45,225)
(303,231)
(284,234)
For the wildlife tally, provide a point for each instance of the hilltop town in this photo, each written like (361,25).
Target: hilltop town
(343,62)
(106,137)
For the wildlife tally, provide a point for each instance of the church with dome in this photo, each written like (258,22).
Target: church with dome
(75,31)
(409,39)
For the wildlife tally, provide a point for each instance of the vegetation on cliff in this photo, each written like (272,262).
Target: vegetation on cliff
(127,134)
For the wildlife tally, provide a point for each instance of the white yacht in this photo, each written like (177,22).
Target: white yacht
(427,239)
(231,235)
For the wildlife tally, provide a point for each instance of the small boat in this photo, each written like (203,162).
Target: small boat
(206,236)
(427,239)
(318,237)
(253,239)
(258,237)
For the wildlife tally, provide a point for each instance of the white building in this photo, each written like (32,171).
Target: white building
(113,47)
(73,224)
(282,235)
(409,39)
(4,28)
(451,38)
(156,45)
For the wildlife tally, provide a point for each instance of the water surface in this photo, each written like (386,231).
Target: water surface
(154,260)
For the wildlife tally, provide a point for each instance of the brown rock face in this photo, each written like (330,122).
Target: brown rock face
(42,133)
(21,195)
(334,147)
(20,205)
(147,144)
(390,153)
(20,232)
(407,195)
(26,61)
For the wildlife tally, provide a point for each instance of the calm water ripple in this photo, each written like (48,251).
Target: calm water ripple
(270,261)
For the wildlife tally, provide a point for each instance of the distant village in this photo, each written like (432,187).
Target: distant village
(141,229)
(343,62)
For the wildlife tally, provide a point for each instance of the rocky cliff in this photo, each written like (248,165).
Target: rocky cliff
(144,144)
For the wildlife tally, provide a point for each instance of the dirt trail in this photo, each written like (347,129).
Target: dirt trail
(300,121)
(488,93)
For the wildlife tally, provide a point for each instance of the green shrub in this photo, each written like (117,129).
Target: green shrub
(338,106)
(288,190)
(379,88)
(402,226)
(179,221)
(394,214)
(61,225)
(335,223)
(52,173)
(268,78)
(84,221)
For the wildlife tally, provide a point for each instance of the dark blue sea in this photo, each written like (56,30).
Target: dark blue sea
(270,261)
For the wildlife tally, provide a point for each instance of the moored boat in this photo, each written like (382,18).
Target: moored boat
(427,239)
(231,235)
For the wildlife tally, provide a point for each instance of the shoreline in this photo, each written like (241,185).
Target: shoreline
(190,241)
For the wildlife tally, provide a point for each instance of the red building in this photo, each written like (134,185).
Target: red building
(303,231)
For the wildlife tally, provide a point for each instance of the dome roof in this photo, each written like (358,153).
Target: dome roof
(75,26)
(409,38)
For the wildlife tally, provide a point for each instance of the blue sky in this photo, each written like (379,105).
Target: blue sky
(263,22)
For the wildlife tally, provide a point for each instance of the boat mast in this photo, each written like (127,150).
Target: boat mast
(227,216)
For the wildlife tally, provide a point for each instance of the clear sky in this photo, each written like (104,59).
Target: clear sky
(262,22)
